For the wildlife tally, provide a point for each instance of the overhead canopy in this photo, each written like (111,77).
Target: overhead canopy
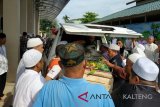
(49,9)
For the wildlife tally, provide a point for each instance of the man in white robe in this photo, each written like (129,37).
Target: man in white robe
(150,49)
(35,43)
(30,82)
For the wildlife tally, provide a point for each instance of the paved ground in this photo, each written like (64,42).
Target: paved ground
(7,99)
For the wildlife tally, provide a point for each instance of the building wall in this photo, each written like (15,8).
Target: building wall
(149,28)
(1,14)
(11,26)
(18,16)
(23,16)
(1,8)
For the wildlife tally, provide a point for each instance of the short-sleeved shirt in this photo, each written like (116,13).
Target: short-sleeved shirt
(68,92)
(117,60)
(3,64)
(136,96)
(3,50)
(118,81)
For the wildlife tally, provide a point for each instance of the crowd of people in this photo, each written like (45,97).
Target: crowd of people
(133,63)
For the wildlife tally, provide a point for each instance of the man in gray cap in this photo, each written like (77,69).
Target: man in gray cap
(115,63)
(141,90)
(72,90)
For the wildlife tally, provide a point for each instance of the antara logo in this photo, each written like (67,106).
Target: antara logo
(95,96)
(83,96)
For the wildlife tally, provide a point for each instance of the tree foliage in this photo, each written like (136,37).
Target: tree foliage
(89,17)
(66,18)
(46,25)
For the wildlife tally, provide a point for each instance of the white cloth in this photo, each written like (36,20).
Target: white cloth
(28,85)
(124,62)
(31,57)
(3,64)
(33,42)
(139,51)
(125,53)
(20,69)
(146,69)
(150,51)
(3,50)
(141,47)
(54,71)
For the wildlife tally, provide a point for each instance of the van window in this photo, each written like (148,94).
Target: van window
(83,40)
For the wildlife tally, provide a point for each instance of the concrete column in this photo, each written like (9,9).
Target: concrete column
(1,8)
(36,19)
(36,22)
(23,16)
(1,14)
(11,25)
(30,16)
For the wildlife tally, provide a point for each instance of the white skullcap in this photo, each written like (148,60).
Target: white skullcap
(33,42)
(139,51)
(62,43)
(134,57)
(31,57)
(114,47)
(146,69)
(141,47)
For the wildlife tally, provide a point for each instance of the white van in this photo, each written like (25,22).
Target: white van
(72,32)
(102,34)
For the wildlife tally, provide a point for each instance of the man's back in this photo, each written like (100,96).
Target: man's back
(68,92)
(28,85)
(136,96)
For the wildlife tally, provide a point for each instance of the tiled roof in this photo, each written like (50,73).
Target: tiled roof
(153,6)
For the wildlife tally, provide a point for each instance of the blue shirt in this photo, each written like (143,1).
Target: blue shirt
(67,92)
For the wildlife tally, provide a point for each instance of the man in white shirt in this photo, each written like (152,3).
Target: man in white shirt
(35,43)
(30,82)
(3,74)
(3,64)
(150,49)
(2,44)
